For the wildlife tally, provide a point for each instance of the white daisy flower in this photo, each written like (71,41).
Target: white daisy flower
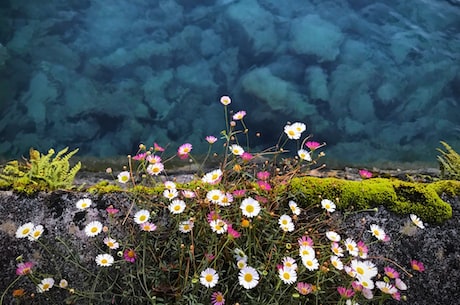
(111,243)
(84,203)
(148,226)
(177,206)
(377,231)
(141,216)
(287,275)
(45,285)
(416,220)
(351,247)
(104,260)
(294,208)
(239,254)
(24,230)
(328,205)
(299,127)
(236,150)
(170,185)
(248,277)
(311,263)
(304,155)
(186,226)
(250,207)
(291,132)
(63,283)
(336,262)
(333,236)
(241,264)
(336,249)
(209,277)
(93,228)
(364,269)
(306,251)
(212,177)
(170,193)
(227,199)
(155,169)
(123,177)
(386,287)
(36,233)
(218,226)
(215,196)
(289,262)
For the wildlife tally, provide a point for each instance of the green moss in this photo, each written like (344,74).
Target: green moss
(398,196)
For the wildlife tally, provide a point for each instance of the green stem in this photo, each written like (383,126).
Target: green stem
(8,288)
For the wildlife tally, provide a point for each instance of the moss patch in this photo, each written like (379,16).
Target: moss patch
(398,196)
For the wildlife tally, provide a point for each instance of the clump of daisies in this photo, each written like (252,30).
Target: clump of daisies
(235,234)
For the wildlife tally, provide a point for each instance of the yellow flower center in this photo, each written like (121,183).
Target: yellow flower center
(177,208)
(360,270)
(26,231)
(104,261)
(250,209)
(248,277)
(208,277)
(142,218)
(93,230)
(286,275)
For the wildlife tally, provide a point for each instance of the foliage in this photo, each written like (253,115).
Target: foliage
(449,162)
(41,172)
(255,230)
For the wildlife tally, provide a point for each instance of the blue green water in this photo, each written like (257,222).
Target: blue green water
(378,81)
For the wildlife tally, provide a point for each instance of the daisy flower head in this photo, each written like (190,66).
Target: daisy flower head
(264,185)
(336,262)
(416,221)
(225,100)
(306,251)
(63,283)
(217,298)
(184,150)
(169,185)
(236,149)
(188,194)
(24,230)
(211,139)
(263,175)
(209,277)
(157,147)
(289,262)
(287,275)
(248,277)
(285,220)
(289,227)
(247,156)
(148,226)
(36,232)
(241,264)
(177,206)
(24,268)
(186,226)
(104,260)
(227,199)
(312,145)
(386,287)
(299,127)
(391,273)
(215,196)
(364,269)
(83,204)
(153,159)
(304,288)
(377,232)
(219,226)
(239,254)
(417,266)
(155,169)
(111,243)
(333,236)
(93,228)
(292,132)
(328,205)
(366,283)
(111,210)
(362,249)
(141,216)
(45,285)
(351,247)
(365,174)
(400,284)
(232,232)
(250,207)
(304,155)
(345,292)
(336,249)
(239,115)
(294,208)
(311,263)
(212,177)
(170,193)
(129,255)
(305,241)
(123,177)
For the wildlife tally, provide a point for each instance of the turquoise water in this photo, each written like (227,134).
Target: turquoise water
(378,81)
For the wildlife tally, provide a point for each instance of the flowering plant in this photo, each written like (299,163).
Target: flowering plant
(236,233)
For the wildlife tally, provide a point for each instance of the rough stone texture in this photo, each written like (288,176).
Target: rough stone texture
(437,246)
